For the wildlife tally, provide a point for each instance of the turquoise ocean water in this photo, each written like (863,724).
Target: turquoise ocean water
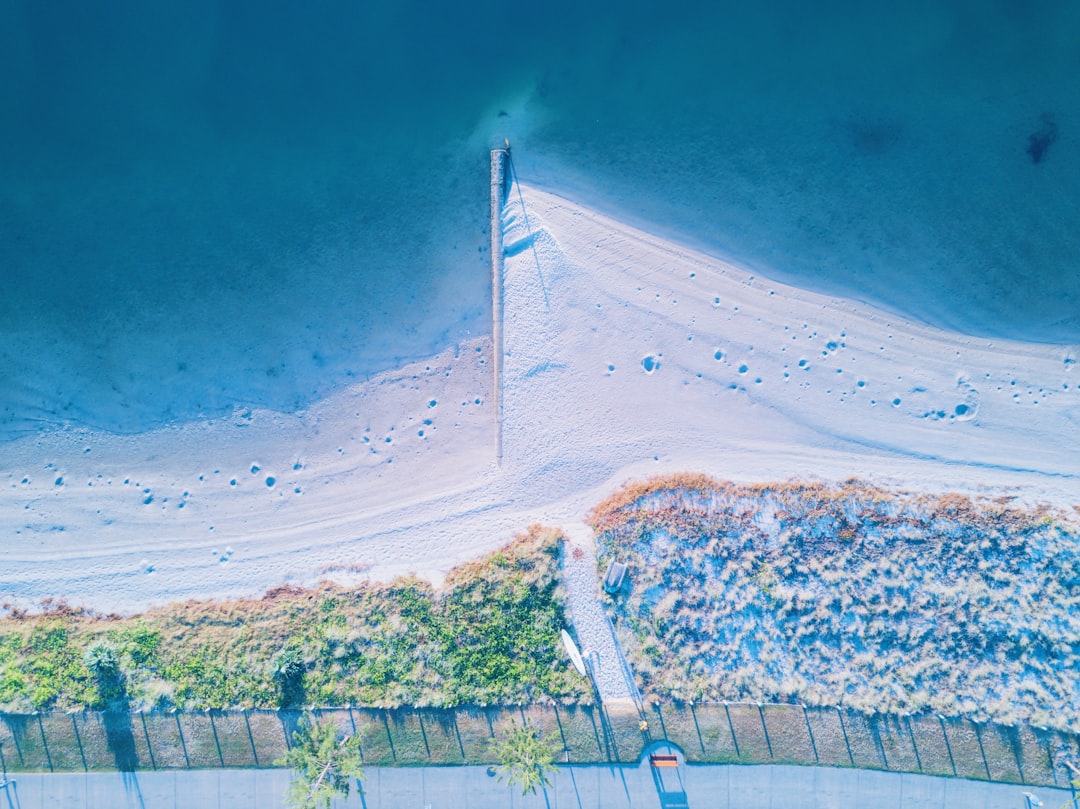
(210,204)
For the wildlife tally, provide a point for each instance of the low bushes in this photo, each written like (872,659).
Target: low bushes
(491,634)
(848,595)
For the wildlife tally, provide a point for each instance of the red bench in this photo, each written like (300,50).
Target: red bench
(664,761)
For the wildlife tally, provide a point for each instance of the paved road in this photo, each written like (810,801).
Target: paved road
(578,787)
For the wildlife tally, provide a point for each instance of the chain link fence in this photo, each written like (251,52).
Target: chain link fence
(736,733)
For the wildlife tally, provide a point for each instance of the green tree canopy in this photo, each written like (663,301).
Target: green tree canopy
(324,761)
(525,759)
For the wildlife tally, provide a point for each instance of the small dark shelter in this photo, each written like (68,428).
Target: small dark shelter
(615,577)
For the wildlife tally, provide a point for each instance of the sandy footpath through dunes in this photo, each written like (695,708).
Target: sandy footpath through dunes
(625,356)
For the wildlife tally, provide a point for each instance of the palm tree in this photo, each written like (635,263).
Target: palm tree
(525,759)
(104,664)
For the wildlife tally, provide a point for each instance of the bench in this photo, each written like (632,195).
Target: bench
(664,761)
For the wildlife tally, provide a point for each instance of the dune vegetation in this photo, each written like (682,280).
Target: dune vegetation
(848,594)
(489,635)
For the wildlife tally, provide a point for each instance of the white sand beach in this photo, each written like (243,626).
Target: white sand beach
(625,356)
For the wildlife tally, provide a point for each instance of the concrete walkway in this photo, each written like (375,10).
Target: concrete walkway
(578,787)
(594,631)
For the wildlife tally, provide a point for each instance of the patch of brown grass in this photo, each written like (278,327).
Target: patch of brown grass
(848,594)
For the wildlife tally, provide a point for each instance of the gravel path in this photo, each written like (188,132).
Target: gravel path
(594,632)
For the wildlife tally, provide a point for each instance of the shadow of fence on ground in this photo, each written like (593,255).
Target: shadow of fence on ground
(736,733)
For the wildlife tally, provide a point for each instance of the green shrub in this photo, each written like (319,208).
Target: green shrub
(490,635)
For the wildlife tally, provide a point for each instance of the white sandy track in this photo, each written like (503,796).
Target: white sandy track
(595,634)
(750,380)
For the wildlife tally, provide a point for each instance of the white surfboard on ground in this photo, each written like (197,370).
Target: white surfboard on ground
(575,655)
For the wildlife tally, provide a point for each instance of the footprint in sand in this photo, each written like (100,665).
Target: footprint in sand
(967,406)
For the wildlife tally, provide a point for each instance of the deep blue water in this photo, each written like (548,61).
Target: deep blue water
(214,203)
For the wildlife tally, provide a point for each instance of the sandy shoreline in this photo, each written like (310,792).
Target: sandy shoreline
(625,356)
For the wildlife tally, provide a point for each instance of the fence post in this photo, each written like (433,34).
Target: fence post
(78,741)
(44,741)
(217,741)
(697,727)
(847,742)
(389,735)
(146,735)
(875,729)
(914,745)
(948,747)
(731,727)
(982,750)
(810,731)
(183,743)
(251,737)
(768,743)
(423,733)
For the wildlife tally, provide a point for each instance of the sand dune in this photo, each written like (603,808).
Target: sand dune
(625,355)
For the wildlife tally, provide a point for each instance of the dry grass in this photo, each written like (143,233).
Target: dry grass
(848,594)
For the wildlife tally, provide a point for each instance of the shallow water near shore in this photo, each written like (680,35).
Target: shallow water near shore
(237,204)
